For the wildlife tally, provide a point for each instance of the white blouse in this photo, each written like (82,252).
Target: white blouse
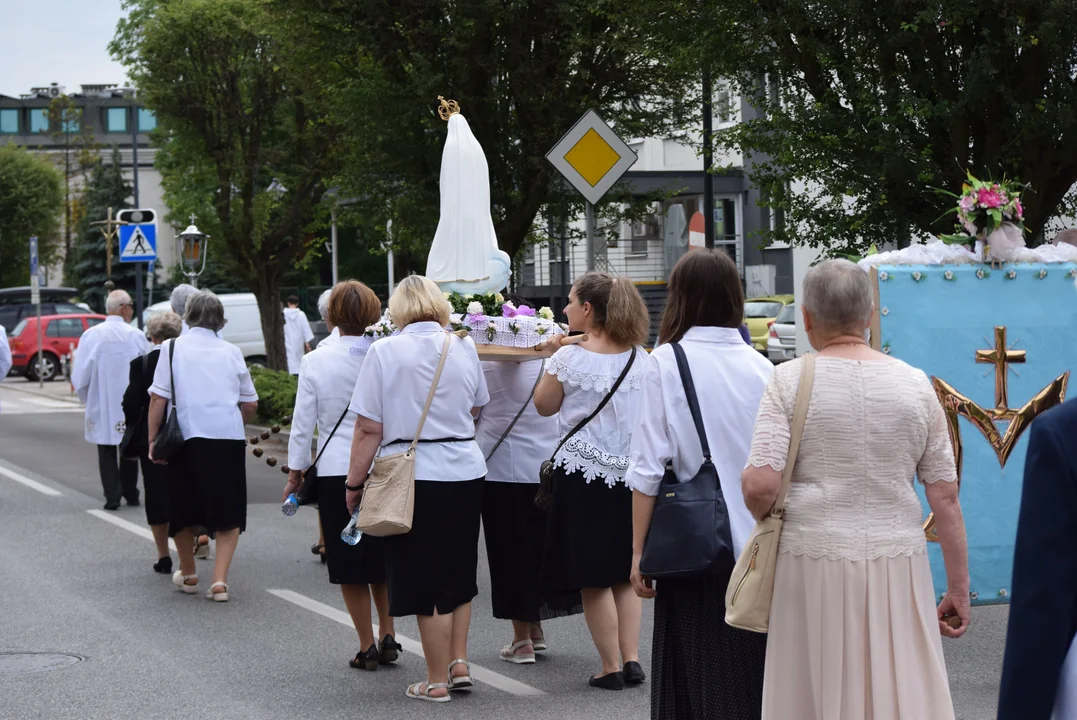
(600,449)
(327,379)
(533,438)
(392,390)
(211,381)
(100,374)
(730,378)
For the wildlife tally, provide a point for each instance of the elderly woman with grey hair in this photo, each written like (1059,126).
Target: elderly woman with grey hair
(159,328)
(178,300)
(854,631)
(323,310)
(210,387)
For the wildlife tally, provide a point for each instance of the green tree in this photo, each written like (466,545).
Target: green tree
(31,200)
(875,105)
(76,153)
(88,263)
(523,74)
(242,144)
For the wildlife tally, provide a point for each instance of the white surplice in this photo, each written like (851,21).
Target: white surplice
(297,334)
(100,374)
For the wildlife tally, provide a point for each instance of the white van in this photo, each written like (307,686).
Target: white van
(244,326)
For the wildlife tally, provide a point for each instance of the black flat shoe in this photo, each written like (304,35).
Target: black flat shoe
(112,506)
(133,502)
(365,660)
(163,566)
(633,673)
(388,650)
(319,550)
(613,681)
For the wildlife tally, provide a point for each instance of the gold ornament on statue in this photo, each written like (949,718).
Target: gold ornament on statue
(448,108)
(956,405)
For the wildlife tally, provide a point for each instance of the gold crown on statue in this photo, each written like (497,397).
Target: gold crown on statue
(448,108)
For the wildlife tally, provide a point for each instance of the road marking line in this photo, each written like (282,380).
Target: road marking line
(34,484)
(491,678)
(128,526)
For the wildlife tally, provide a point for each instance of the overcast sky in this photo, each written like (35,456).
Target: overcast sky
(61,41)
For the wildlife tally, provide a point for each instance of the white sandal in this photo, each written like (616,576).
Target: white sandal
(218,596)
(464,682)
(178,578)
(509,654)
(418,692)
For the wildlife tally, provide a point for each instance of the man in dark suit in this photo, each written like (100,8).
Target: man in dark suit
(1043,610)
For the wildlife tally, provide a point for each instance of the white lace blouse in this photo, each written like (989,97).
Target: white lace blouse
(871,427)
(600,449)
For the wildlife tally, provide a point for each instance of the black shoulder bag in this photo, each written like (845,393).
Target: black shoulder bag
(690,530)
(544,497)
(169,440)
(133,442)
(308,490)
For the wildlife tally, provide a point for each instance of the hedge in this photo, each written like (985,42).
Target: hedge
(276,394)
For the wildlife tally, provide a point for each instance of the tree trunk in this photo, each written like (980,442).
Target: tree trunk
(272,317)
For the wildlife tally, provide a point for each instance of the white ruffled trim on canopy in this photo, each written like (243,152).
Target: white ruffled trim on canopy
(939,253)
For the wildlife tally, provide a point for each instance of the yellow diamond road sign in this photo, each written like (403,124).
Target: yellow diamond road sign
(591,157)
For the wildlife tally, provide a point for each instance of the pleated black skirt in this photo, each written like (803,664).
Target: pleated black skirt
(702,669)
(208,486)
(515,532)
(589,536)
(358,564)
(433,567)
(155,483)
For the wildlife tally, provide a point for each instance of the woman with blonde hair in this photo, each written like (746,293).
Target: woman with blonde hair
(327,378)
(432,568)
(854,631)
(594,387)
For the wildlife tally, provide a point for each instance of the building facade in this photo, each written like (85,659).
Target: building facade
(107,117)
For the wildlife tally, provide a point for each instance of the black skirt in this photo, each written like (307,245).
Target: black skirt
(702,669)
(515,532)
(155,482)
(433,567)
(359,564)
(589,536)
(208,486)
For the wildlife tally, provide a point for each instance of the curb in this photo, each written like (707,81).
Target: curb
(73,399)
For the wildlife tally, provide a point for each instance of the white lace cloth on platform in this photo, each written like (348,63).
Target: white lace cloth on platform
(600,449)
(871,427)
(939,253)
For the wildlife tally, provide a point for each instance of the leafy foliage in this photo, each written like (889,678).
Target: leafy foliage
(865,107)
(31,199)
(276,393)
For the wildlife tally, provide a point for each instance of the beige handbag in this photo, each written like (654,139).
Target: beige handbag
(388,503)
(751,586)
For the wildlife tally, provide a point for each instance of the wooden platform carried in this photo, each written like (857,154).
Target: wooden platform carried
(501,353)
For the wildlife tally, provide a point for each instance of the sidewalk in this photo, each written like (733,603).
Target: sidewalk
(55,390)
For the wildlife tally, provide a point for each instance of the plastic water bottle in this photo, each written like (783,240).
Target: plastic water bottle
(352,534)
(290,506)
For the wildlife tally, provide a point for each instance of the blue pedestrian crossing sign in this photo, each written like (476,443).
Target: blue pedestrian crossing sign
(138,238)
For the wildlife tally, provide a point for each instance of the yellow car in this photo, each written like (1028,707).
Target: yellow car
(760,313)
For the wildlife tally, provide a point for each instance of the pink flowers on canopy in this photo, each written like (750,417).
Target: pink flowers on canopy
(984,206)
(991,198)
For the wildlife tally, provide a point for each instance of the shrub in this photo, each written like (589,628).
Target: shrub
(276,394)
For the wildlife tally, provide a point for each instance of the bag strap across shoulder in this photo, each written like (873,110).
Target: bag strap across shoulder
(796,430)
(541,372)
(609,396)
(433,389)
(331,434)
(693,400)
(171,373)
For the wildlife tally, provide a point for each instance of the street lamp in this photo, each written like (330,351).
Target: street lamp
(193,248)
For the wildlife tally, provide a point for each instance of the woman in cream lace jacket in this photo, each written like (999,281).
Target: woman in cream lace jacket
(854,631)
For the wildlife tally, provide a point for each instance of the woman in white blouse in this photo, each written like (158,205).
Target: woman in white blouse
(327,379)
(589,538)
(700,667)
(432,568)
(214,399)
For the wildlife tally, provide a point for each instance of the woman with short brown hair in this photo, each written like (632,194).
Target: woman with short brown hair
(327,378)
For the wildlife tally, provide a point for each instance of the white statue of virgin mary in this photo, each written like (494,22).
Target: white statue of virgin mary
(464,256)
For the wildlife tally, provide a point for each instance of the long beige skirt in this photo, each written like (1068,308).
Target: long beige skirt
(854,641)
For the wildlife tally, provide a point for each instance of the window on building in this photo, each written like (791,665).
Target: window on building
(146,120)
(39,120)
(9,121)
(723,105)
(72,120)
(116,120)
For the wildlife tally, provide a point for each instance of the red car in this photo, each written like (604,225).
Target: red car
(58,334)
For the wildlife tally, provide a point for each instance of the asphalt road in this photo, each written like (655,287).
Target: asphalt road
(77,580)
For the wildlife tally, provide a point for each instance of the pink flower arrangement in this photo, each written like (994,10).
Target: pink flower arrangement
(983,207)
(525,311)
(509,310)
(990,198)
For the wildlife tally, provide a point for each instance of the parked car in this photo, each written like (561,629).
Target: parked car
(11,314)
(782,340)
(243,326)
(59,333)
(760,313)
